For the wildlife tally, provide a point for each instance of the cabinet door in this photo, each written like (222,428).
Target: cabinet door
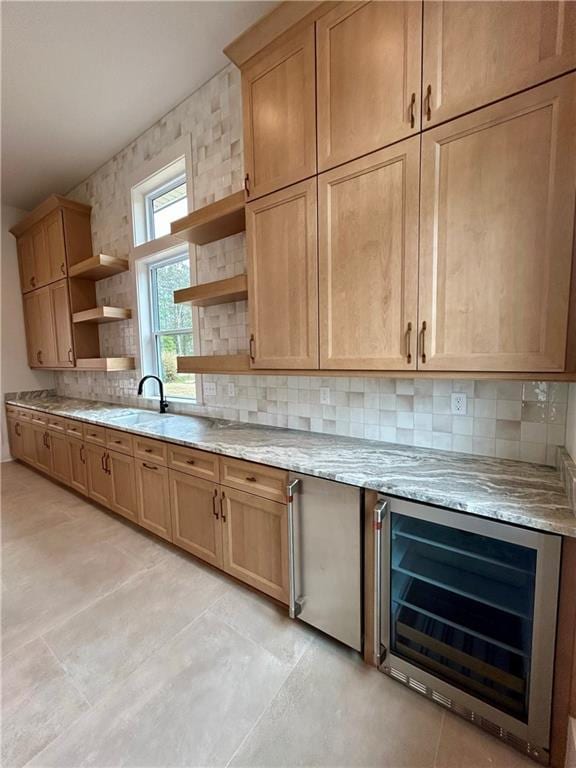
(368,245)
(28,279)
(41,261)
(283,278)
(369,59)
(123,479)
(153,491)
(476,53)
(42,449)
(279,104)
(14,437)
(255,542)
(55,245)
(196,516)
(62,325)
(28,443)
(40,335)
(497,217)
(99,479)
(78,468)
(60,457)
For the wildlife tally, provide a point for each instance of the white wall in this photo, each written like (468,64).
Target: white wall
(15,374)
(571,422)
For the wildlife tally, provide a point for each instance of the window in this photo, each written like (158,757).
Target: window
(164,205)
(172,325)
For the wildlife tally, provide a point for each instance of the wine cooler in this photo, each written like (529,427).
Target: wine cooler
(465,613)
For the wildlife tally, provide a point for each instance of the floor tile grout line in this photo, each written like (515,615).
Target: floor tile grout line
(270,703)
(68,675)
(439,739)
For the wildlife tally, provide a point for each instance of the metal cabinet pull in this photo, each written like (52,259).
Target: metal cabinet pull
(409,343)
(380,511)
(252,347)
(147,450)
(39,357)
(17,429)
(214,507)
(33,282)
(62,268)
(428,103)
(411,109)
(70,360)
(83,454)
(423,342)
(247,185)
(149,466)
(190,461)
(294,607)
(103,462)
(107,462)
(250,478)
(222,512)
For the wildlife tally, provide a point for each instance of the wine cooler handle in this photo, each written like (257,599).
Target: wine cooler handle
(380,511)
(294,605)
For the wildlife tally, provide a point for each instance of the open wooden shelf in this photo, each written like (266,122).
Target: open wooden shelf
(218,292)
(98,267)
(213,364)
(105,363)
(213,222)
(102,315)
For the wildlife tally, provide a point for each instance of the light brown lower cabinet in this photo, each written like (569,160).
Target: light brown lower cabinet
(14,437)
(42,449)
(153,498)
(99,479)
(255,541)
(196,524)
(78,465)
(123,497)
(61,468)
(28,443)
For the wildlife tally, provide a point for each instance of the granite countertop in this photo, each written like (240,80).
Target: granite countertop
(517,492)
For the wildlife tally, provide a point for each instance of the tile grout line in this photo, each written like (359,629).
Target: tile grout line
(67,674)
(439,739)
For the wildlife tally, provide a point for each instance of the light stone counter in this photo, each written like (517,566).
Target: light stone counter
(515,492)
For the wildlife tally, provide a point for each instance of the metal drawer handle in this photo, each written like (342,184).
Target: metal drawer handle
(380,511)
(423,342)
(294,606)
(409,343)
(103,462)
(222,513)
(83,454)
(411,110)
(33,282)
(214,509)
(17,429)
(149,466)
(62,268)
(147,450)
(190,461)
(252,348)
(247,185)
(117,441)
(428,103)
(251,479)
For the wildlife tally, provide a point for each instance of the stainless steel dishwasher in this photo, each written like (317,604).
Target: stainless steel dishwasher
(325,556)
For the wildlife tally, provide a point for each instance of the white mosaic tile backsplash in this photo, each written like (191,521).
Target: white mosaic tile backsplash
(507,419)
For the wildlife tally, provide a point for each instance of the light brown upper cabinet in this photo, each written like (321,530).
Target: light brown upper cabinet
(279,104)
(281,233)
(368,78)
(60,308)
(497,218)
(48,327)
(55,245)
(479,52)
(368,245)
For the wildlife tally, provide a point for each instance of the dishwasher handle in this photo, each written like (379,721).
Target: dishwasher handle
(294,606)
(380,512)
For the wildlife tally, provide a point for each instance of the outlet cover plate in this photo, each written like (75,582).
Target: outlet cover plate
(325,395)
(459,404)
(209,389)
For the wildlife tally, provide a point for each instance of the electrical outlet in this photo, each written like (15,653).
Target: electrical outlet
(458,402)
(231,390)
(209,389)
(325,395)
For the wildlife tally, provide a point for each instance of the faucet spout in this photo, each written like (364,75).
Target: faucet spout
(163,402)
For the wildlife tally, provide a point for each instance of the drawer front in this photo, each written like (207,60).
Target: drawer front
(193,462)
(95,434)
(24,414)
(11,410)
(56,423)
(37,417)
(75,428)
(119,441)
(151,450)
(258,479)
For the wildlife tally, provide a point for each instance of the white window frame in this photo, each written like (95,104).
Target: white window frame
(173,161)
(158,192)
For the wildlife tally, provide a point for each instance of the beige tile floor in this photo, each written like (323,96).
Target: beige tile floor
(119,650)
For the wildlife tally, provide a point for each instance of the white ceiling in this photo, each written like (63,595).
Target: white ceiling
(80,80)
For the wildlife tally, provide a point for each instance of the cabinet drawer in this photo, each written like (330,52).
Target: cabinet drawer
(254,478)
(56,423)
(11,410)
(152,450)
(24,414)
(194,462)
(119,441)
(75,428)
(95,434)
(37,417)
